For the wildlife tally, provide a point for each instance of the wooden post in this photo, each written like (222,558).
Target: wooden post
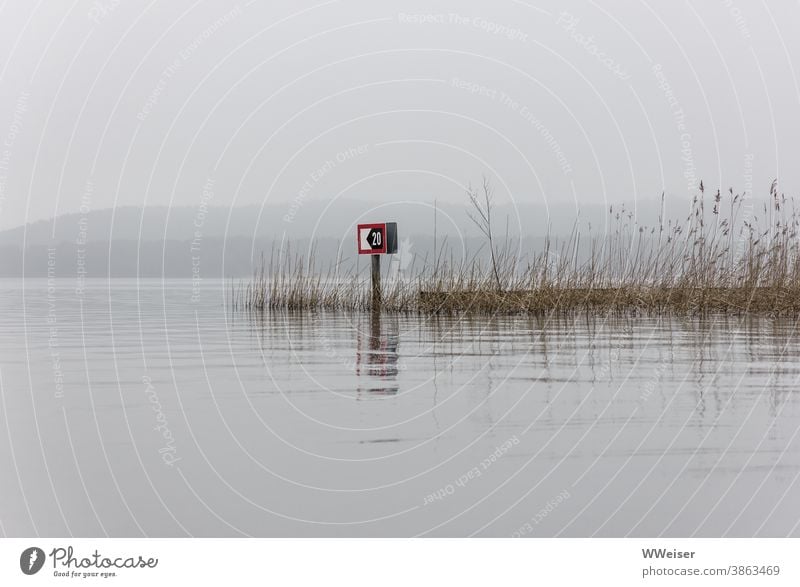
(376,282)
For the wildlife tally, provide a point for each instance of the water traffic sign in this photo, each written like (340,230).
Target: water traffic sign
(377,239)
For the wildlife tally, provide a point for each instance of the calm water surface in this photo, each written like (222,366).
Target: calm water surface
(137,409)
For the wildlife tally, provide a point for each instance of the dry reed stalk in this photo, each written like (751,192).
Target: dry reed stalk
(717,261)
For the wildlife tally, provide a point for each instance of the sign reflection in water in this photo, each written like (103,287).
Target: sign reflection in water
(377,363)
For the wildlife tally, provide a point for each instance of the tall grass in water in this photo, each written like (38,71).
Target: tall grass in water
(723,256)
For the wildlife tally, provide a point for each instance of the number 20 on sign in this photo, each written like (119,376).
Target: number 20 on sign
(377,239)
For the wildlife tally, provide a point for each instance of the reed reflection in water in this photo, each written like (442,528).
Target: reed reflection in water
(354,424)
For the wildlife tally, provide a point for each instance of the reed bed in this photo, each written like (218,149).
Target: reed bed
(724,256)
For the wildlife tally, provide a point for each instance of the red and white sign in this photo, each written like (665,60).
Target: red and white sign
(372,239)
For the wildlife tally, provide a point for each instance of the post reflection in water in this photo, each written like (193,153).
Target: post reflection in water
(657,425)
(377,364)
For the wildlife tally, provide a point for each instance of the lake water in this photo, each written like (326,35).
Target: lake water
(149,409)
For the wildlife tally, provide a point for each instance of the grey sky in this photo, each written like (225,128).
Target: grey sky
(134,103)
